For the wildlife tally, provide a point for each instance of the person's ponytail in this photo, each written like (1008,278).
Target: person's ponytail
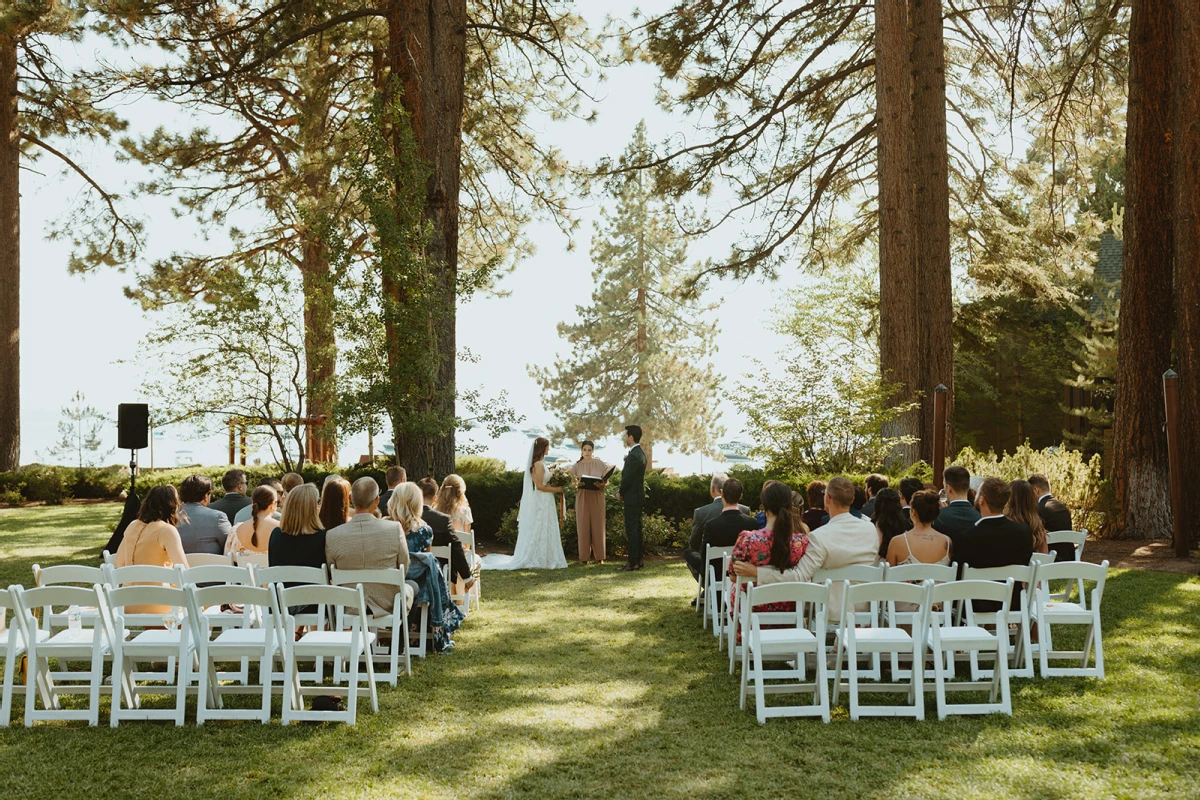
(260,501)
(777,499)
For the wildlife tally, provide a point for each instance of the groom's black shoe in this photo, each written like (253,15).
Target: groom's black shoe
(627,568)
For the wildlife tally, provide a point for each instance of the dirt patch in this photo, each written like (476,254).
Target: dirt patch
(1157,556)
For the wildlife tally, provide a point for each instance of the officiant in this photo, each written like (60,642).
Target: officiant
(591,479)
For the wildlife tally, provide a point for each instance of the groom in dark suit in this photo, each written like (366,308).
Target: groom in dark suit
(632,493)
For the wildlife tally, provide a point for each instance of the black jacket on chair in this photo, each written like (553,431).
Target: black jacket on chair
(994,542)
(440,524)
(957,517)
(1057,517)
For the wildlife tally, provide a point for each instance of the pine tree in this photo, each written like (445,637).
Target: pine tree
(79,433)
(638,350)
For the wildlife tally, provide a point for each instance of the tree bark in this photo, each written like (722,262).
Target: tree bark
(428,53)
(1140,475)
(899,337)
(1185,143)
(10,261)
(320,344)
(934,311)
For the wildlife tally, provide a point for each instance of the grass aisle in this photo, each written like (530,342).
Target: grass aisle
(590,683)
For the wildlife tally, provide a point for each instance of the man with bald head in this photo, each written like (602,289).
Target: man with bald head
(367,542)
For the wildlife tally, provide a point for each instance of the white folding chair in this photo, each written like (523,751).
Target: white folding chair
(877,638)
(12,647)
(209,560)
(397,621)
(106,558)
(442,554)
(173,642)
(857,573)
(916,573)
(716,588)
(946,638)
(225,573)
(88,643)
(1021,647)
(318,620)
(145,574)
(793,642)
(1084,612)
(467,540)
(732,622)
(67,575)
(249,559)
(352,645)
(1078,539)
(260,640)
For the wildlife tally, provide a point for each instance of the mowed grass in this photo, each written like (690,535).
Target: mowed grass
(590,683)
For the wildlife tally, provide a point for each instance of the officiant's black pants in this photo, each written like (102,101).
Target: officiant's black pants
(633,530)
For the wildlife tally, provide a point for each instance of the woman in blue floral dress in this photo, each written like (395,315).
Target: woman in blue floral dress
(444,616)
(762,547)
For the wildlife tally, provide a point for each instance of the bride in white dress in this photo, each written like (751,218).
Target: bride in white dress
(539,542)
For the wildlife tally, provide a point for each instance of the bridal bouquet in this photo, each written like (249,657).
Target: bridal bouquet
(560,477)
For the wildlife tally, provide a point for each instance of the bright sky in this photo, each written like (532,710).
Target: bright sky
(80,333)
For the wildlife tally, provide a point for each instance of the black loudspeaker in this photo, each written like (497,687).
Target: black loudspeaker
(133,426)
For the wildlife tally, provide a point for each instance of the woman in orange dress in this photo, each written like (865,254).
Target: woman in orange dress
(153,538)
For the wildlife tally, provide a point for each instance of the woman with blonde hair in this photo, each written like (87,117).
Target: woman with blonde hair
(405,506)
(299,540)
(452,501)
(254,535)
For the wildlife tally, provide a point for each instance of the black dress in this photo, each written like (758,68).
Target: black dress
(285,550)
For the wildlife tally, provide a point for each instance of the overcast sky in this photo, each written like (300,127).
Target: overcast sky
(76,329)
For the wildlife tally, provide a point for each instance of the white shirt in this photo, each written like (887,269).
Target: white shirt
(1043,497)
(992,516)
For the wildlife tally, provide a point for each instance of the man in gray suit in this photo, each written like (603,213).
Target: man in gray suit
(694,555)
(234,483)
(201,529)
(367,542)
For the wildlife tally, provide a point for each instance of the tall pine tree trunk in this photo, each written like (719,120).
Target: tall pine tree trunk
(320,344)
(934,312)
(899,338)
(1185,144)
(427,52)
(1144,339)
(10,261)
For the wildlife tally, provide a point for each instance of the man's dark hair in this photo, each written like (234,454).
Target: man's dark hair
(233,479)
(429,488)
(995,493)
(635,431)
(957,478)
(860,497)
(909,487)
(195,488)
(274,483)
(876,482)
(926,506)
(731,491)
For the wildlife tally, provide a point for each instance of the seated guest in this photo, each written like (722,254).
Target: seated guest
(444,616)
(890,519)
(781,543)
(452,501)
(152,539)
(843,541)
(959,515)
(394,476)
(860,502)
(299,540)
(1022,507)
(254,535)
(874,484)
(815,516)
(234,484)
(923,544)
(996,540)
(694,553)
(335,503)
(201,529)
(909,487)
(725,529)
(366,542)
(1055,516)
(275,484)
(464,566)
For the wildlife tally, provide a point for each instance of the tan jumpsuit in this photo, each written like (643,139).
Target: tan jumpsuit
(589,511)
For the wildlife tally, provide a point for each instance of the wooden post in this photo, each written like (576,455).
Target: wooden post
(1174,458)
(232,445)
(940,396)
(242,444)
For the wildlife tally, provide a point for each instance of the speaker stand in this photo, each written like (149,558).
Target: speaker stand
(133,465)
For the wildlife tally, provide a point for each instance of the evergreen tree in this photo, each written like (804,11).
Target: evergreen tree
(638,350)
(79,434)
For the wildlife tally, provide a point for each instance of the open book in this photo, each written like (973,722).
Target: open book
(594,481)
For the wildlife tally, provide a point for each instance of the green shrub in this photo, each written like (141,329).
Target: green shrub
(99,483)
(478,465)
(47,484)
(491,496)
(11,497)
(659,534)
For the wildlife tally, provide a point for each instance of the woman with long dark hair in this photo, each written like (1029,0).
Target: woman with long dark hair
(335,503)
(153,538)
(780,543)
(890,519)
(589,504)
(1022,507)
(539,540)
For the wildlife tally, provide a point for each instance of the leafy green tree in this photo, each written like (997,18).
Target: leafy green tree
(80,434)
(638,351)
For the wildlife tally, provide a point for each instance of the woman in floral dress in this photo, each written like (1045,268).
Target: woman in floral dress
(764,548)
(444,616)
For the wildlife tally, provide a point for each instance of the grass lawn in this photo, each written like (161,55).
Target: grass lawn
(590,683)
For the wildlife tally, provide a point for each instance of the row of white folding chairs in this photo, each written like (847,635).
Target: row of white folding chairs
(934,629)
(394,652)
(120,634)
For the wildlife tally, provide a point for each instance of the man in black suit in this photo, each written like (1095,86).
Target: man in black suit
(694,554)
(460,568)
(995,540)
(1055,516)
(959,516)
(723,530)
(632,494)
(393,477)
(234,483)
(909,487)
(874,484)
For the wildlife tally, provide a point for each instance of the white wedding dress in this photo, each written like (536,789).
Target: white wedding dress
(539,541)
